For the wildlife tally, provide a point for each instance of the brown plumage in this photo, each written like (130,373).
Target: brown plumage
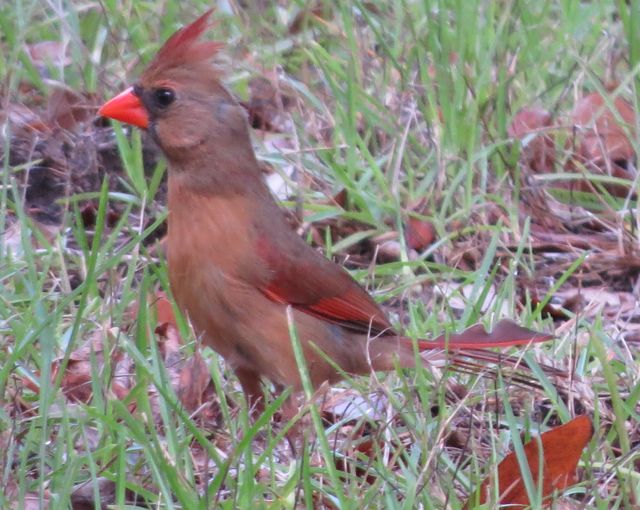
(234,263)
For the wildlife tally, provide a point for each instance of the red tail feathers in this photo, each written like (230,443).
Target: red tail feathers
(506,333)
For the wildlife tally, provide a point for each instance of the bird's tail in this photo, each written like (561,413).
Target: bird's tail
(505,334)
(467,352)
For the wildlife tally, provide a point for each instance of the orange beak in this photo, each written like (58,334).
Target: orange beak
(126,107)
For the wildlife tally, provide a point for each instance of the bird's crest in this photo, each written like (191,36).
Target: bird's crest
(183,49)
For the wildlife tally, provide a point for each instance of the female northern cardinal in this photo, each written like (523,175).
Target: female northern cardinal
(234,263)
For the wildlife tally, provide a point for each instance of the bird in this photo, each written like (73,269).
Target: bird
(237,270)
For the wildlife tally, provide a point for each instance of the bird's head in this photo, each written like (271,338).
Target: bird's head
(180,100)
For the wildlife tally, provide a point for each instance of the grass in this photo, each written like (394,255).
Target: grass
(404,104)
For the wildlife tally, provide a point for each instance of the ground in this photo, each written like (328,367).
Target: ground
(466,161)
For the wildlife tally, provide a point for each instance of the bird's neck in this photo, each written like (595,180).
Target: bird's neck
(217,171)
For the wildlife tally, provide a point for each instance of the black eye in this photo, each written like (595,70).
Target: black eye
(163,97)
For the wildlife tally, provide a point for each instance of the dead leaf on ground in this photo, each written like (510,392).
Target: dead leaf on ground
(561,451)
(164,310)
(31,501)
(602,145)
(532,126)
(193,382)
(419,232)
(554,312)
(341,199)
(188,372)
(387,247)
(307,16)
(46,53)
(22,119)
(269,102)
(76,381)
(279,180)
(83,494)
(69,109)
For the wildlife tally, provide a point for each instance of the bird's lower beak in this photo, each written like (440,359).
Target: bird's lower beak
(126,107)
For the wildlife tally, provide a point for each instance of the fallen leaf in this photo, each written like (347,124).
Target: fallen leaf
(161,306)
(556,313)
(69,109)
(45,53)
(604,137)
(561,450)
(164,310)
(602,144)
(268,104)
(23,120)
(306,16)
(193,382)
(169,344)
(32,501)
(188,373)
(76,380)
(340,198)
(532,127)
(419,233)
(83,494)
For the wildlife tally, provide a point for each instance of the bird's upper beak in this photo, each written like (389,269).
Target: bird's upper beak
(126,107)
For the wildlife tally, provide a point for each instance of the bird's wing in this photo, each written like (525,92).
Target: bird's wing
(301,277)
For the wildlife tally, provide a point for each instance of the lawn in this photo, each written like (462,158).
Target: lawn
(466,161)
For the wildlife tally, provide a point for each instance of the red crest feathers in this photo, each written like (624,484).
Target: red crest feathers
(183,47)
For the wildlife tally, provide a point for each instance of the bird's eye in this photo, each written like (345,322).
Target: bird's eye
(164,97)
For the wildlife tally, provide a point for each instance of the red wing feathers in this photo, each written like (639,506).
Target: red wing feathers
(304,279)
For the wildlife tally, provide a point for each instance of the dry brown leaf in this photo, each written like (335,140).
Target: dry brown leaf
(46,53)
(306,16)
(355,413)
(193,382)
(554,312)
(532,127)
(82,497)
(189,376)
(76,381)
(601,144)
(419,233)
(69,109)
(340,198)
(268,104)
(561,451)
(164,310)
(387,247)
(31,501)
(604,137)
(279,182)
(23,120)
